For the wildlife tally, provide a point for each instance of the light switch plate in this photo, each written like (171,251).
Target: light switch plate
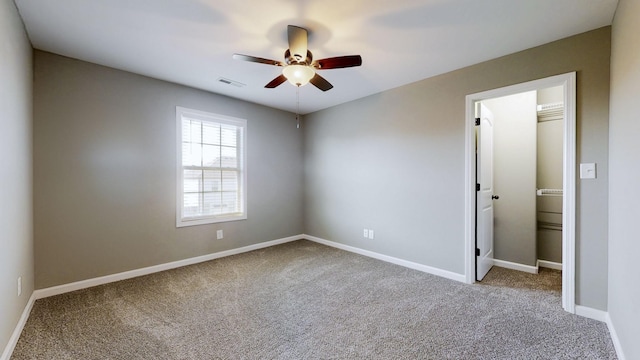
(588,171)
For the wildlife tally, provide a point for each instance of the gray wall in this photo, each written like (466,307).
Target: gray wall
(394,161)
(514,177)
(624,193)
(105,177)
(16,225)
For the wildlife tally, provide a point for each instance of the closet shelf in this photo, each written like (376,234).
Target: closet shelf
(549,192)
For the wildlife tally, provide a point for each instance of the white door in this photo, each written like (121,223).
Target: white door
(484,205)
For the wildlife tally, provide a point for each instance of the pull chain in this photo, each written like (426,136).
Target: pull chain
(298,107)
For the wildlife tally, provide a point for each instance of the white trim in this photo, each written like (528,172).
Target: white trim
(408,264)
(549,264)
(15,336)
(614,337)
(515,266)
(61,289)
(569,195)
(591,313)
(83,284)
(603,316)
(568,81)
(470,191)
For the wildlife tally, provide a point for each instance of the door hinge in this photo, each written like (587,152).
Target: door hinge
(477,252)
(477,121)
(477,187)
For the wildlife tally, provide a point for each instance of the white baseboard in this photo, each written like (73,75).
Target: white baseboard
(614,338)
(390,259)
(78,285)
(549,264)
(15,336)
(61,289)
(603,316)
(591,313)
(528,268)
(515,266)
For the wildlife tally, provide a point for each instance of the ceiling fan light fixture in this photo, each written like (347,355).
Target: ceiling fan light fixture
(300,71)
(298,75)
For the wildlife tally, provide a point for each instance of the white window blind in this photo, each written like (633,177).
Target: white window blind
(211,168)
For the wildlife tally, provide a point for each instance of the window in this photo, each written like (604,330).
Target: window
(211,168)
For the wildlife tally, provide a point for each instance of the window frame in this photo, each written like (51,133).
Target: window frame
(181,220)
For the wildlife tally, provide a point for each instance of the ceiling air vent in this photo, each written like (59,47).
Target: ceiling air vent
(230,82)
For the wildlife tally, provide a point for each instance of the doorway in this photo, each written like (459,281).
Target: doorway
(472,197)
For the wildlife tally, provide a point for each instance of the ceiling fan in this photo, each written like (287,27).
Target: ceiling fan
(298,66)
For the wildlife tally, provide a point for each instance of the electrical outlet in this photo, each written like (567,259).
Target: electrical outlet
(219,234)
(370,234)
(19,285)
(366,233)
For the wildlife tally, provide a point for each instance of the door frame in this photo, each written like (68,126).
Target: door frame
(568,82)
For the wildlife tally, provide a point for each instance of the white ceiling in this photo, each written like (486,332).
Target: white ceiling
(190,42)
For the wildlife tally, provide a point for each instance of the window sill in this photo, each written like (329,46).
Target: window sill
(209,220)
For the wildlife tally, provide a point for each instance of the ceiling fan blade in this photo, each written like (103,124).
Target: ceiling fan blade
(297,42)
(321,83)
(276,82)
(338,62)
(257,60)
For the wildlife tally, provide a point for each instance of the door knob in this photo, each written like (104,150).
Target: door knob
(495,197)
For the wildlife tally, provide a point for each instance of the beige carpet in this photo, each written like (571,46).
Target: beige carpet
(303,300)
